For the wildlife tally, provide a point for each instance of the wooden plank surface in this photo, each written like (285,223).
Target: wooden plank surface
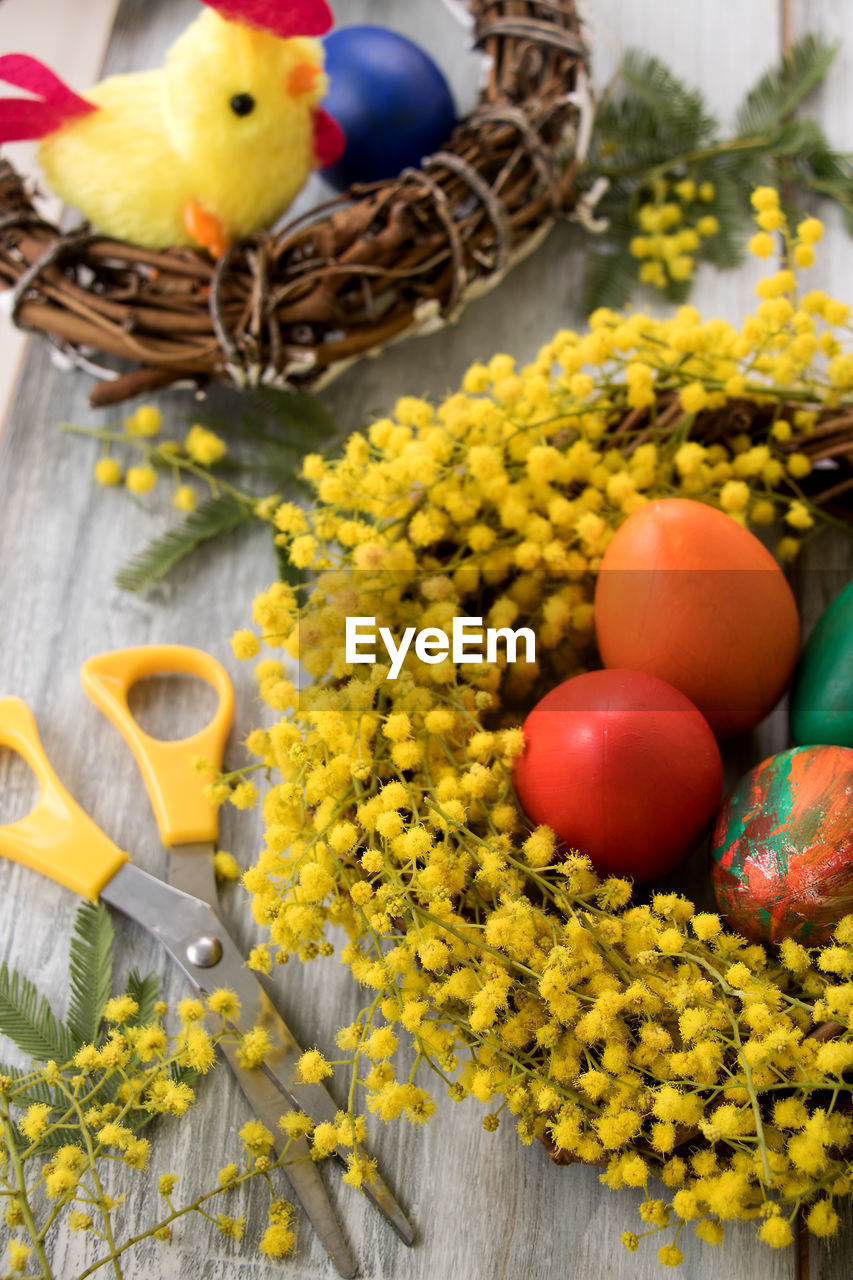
(485,1207)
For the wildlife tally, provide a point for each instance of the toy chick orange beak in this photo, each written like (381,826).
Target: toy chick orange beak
(303,78)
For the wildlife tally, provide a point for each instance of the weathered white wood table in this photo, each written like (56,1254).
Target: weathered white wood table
(485,1207)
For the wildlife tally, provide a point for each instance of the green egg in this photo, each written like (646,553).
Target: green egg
(822,698)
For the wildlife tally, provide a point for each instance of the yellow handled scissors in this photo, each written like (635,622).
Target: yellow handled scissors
(60,841)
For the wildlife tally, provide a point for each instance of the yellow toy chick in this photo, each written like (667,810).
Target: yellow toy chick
(204,151)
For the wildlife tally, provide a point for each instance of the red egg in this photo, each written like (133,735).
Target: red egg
(687,594)
(623,768)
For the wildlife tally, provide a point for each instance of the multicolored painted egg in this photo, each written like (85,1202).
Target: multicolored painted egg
(822,697)
(623,768)
(782,847)
(391,100)
(688,595)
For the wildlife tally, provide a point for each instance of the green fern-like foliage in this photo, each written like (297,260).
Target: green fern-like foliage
(273,431)
(29,1022)
(783,88)
(145,992)
(648,114)
(26,1017)
(653,132)
(90,967)
(271,434)
(218,515)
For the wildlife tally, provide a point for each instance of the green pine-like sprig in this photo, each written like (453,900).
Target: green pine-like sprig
(90,966)
(272,433)
(27,1019)
(652,129)
(783,88)
(26,1016)
(217,515)
(70,1123)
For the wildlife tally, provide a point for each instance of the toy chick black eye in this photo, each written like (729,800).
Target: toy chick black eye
(242,104)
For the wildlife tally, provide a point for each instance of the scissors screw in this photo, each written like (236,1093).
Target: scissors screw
(205,951)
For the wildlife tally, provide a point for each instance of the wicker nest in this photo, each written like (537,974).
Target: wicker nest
(828,444)
(384,261)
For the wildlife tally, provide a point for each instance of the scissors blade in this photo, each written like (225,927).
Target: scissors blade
(280,1070)
(265,1099)
(179,920)
(190,869)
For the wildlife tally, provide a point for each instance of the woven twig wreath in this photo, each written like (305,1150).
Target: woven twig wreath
(379,263)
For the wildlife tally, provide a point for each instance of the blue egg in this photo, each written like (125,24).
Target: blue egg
(390,99)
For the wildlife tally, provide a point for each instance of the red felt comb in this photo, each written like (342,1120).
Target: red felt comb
(22,119)
(283,18)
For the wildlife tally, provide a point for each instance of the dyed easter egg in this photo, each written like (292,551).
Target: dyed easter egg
(687,594)
(390,99)
(822,697)
(623,768)
(782,847)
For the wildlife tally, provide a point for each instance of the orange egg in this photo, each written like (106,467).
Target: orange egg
(687,594)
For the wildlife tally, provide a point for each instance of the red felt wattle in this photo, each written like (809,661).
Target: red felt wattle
(283,18)
(22,119)
(329,138)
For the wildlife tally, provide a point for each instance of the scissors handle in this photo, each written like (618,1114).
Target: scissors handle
(56,838)
(183,812)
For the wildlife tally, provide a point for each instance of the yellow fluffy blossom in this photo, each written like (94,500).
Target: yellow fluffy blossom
(694,398)
(203,446)
(256,1138)
(776,1232)
(244,795)
(224,1002)
(233,1227)
(253,1048)
(822,1220)
(764,199)
(226,866)
(149,1042)
(810,230)
(245,644)
(198,1049)
(277,1241)
(35,1121)
(108,471)
(190,1010)
(146,421)
(120,1009)
(313,1067)
(762,244)
(184,498)
(669,1255)
(17,1256)
(141,479)
(641,1035)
